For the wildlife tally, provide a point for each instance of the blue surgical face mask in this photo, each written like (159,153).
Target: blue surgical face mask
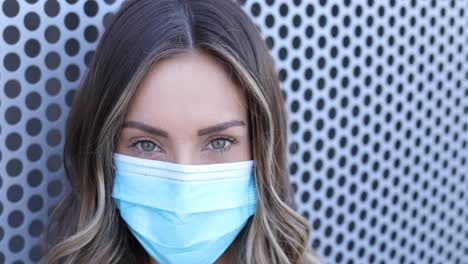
(184,213)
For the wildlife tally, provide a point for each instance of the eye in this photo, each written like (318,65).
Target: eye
(145,146)
(221,144)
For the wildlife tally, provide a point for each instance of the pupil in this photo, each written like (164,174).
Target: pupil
(147,145)
(220,145)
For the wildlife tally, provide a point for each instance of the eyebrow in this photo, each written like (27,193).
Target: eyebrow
(204,131)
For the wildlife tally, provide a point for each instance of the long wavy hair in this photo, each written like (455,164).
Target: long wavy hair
(86,227)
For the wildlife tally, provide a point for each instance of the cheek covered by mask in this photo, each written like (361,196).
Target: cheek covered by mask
(184,213)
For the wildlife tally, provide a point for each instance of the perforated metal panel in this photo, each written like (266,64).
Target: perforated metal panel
(377,100)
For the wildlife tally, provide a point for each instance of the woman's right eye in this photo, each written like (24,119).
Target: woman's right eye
(145,146)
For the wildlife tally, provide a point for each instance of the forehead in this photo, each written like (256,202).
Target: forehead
(192,88)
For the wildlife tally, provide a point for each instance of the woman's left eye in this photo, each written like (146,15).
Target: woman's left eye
(221,144)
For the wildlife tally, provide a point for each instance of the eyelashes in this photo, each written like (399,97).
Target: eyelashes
(146,146)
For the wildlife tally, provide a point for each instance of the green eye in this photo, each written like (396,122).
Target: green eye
(145,145)
(220,144)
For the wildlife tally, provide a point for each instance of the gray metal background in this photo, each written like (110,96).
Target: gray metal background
(377,96)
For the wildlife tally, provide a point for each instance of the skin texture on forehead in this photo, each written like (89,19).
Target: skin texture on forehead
(182,95)
(177,101)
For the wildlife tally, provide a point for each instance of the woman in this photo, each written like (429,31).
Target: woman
(175,145)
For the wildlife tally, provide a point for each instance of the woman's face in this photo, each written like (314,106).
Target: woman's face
(187,110)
